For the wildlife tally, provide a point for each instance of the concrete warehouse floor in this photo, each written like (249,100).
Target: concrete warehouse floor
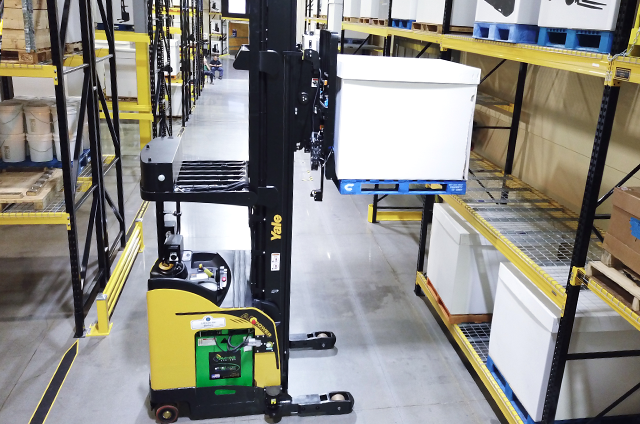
(348,276)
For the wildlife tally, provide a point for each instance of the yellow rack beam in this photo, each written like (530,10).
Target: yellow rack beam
(625,312)
(29,71)
(130,36)
(126,106)
(394,215)
(131,116)
(476,362)
(34,218)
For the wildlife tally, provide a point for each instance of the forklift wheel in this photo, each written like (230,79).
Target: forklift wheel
(167,414)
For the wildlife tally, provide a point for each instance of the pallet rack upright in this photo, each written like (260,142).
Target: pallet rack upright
(160,66)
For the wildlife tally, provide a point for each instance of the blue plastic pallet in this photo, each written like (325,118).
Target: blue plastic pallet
(400,187)
(507,33)
(402,23)
(526,418)
(576,39)
(55,163)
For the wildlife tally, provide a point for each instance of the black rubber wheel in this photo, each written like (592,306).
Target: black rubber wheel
(167,414)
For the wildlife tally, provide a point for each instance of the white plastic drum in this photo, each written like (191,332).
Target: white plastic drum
(40,147)
(72,118)
(13,147)
(56,142)
(11,117)
(38,118)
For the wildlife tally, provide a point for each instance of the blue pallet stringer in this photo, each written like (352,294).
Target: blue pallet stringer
(401,187)
(526,418)
(507,33)
(576,39)
(402,23)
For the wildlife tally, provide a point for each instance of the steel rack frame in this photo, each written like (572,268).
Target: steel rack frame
(497,203)
(79,186)
(159,12)
(192,55)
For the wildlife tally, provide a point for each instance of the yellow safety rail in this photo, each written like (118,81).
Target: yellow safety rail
(476,362)
(106,301)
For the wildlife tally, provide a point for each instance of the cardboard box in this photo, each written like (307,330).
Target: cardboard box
(523,335)
(462,265)
(432,12)
(14,39)
(14,19)
(424,135)
(508,11)
(623,238)
(579,15)
(404,9)
(17,4)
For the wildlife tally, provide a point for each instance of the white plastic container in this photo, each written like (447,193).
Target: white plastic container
(462,265)
(13,147)
(377,9)
(558,14)
(72,118)
(351,9)
(324,7)
(38,118)
(56,143)
(40,147)
(432,12)
(426,135)
(508,12)
(11,117)
(404,9)
(523,334)
(125,69)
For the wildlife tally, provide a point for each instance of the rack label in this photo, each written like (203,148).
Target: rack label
(623,74)
(275,262)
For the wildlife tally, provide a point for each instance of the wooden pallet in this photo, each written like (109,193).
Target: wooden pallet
(380,22)
(365,20)
(354,20)
(18,56)
(421,26)
(456,319)
(612,270)
(70,48)
(37,187)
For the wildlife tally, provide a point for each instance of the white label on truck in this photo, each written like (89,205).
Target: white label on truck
(275,262)
(207,342)
(208,322)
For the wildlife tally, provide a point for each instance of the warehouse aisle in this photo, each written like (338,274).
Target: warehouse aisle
(348,276)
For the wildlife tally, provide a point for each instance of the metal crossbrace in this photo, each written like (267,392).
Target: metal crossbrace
(540,228)
(478,336)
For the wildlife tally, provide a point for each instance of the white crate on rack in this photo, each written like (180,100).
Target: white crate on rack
(462,265)
(579,15)
(425,132)
(508,11)
(404,9)
(351,9)
(377,9)
(432,12)
(523,334)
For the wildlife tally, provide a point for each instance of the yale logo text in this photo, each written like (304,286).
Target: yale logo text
(276,233)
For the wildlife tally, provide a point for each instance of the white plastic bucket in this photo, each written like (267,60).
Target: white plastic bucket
(13,147)
(40,147)
(72,118)
(38,117)
(72,142)
(11,117)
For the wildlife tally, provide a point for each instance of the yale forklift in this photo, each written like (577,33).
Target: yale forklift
(219,321)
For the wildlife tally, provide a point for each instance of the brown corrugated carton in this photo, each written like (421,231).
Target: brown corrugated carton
(623,238)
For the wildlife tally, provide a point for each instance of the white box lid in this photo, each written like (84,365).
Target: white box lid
(402,69)
(455,225)
(593,314)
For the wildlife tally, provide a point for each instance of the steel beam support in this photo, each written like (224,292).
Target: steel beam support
(581,247)
(515,119)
